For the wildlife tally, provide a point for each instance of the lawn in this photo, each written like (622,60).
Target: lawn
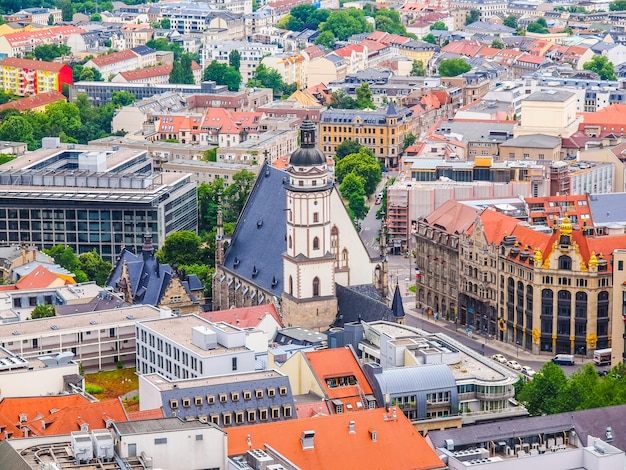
(109,384)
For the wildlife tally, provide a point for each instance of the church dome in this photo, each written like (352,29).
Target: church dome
(308,154)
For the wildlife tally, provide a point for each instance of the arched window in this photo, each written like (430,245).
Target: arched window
(290,285)
(546,302)
(581,305)
(344,258)
(603,304)
(316,287)
(565,262)
(334,243)
(290,241)
(564,303)
(316,243)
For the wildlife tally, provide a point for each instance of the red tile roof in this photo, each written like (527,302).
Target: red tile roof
(145,414)
(613,117)
(114,58)
(40,278)
(453,217)
(397,444)
(41,34)
(147,72)
(496,225)
(32,64)
(35,101)
(244,317)
(54,415)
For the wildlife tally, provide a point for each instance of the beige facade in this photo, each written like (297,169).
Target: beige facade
(618,302)
(551,112)
(270,146)
(207,172)
(535,148)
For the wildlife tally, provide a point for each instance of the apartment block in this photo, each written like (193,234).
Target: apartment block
(26,77)
(17,44)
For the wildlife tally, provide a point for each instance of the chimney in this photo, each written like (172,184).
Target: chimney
(307,440)
(351,428)
(147,250)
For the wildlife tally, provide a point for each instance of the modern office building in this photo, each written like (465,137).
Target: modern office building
(92,198)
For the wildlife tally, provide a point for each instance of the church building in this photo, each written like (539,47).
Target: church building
(294,244)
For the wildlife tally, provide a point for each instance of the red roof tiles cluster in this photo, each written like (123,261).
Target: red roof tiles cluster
(34,101)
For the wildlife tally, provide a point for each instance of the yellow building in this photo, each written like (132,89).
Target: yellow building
(383,130)
(418,50)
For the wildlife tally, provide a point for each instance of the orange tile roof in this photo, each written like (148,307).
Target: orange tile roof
(27,36)
(40,278)
(244,317)
(109,59)
(145,414)
(496,225)
(612,115)
(339,362)
(397,445)
(147,72)
(467,47)
(35,101)
(32,64)
(54,415)
(453,217)
(311,409)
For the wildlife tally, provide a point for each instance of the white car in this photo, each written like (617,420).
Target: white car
(499,358)
(528,371)
(514,365)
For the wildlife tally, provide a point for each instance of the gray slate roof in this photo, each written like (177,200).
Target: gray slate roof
(608,208)
(397,380)
(550,95)
(147,426)
(534,140)
(360,303)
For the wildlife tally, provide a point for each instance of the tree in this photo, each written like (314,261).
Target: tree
(97,17)
(352,184)
(541,21)
(472,17)
(267,77)
(62,116)
(50,19)
(234,59)
(122,98)
(417,70)
(162,44)
(95,267)
(326,39)
(67,10)
(17,129)
(208,198)
(181,71)
(90,74)
(165,23)
(347,147)
(617,5)
(364,96)
(409,140)
(543,394)
(345,23)
(211,155)
(362,164)
(453,67)
(223,74)
(438,26)
(340,100)
(430,38)
(43,311)
(510,21)
(237,194)
(388,20)
(49,52)
(64,256)
(537,28)
(601,65)
(180,248)
(497,44)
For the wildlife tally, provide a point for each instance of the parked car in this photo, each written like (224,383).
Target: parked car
(514,365)
(528,371)
(499,358)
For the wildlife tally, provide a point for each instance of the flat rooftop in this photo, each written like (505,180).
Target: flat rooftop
(163,384)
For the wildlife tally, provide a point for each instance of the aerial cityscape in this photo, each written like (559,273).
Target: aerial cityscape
(297,235)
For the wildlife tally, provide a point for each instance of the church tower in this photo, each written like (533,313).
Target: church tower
(309,297)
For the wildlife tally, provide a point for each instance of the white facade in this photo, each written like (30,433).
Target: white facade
(592,178)
(36,379)
(251,55)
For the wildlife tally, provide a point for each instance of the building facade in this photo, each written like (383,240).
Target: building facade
(25,77)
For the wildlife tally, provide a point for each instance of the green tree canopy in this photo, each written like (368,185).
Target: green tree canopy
(417,69)
(181,71)
(180,248)
(237,194)
(49,52)
(453,67)
(326,39)
(97,17)
(267,77)
(340,100)
(601,65)
(162,44)
(165,23)
(364,96)
(208,198)
(345,23)
(352,184)
(497,44)
(95,267)
(438,26)
(409,140)
(223,74)
(346,148)
(362,164)
(122,98)
(234,59)
(617,5)
(430,38)
(543,394)
(388,20)
(43,311)
(537,27)
(472,16)
(17,128)
(510,21)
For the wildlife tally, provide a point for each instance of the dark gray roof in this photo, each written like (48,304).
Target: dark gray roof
(104,301)
(148,277)
(396,305)
(10,458)
(607,208)
(259,237)
(396,380)
(143,50)
(147,426)
(358,303)
(586,423)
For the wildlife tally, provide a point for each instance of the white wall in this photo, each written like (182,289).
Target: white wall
(36,382)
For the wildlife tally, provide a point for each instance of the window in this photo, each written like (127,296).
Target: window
(215,419)
(275,412)
(316,217)
(290,242)
(251,416)
(227,419)
(565,262)
(234,363)
(287,411)
(316,287)
(223,398)
(290,285)
(247,395)
(238,417)
(271,392)
(197,401)
(234,396)
(186,402)
(263,414)
(258,393)
(160,440)
(282,391)
(316,243)
(199,437)
(210,399)
(173,404)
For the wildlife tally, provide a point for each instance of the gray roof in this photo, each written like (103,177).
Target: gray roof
(143,50)
(473,131)
(259,239)
(147,426)
(550,95)
(534,140)
(492,27)
(397,380)
(586,423)
(360,303)
(378,116)
(10,458)
(607,208)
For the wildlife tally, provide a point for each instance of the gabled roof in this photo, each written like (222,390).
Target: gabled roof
(34,101)
(453,217)
(32,64)
(147,72)
(114,58)
(360,303)
(332,363)
(244,317)
(397,445)
(41,278)
(53,415)
(496,225)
